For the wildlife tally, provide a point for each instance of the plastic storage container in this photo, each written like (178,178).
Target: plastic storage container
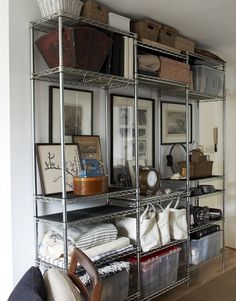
(158,270)
(207,80)
(115,287)
(205,247)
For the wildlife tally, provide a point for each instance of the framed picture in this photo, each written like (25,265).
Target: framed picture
(78,112)
(123,131)
(89,146)
(49,163)
(173,123)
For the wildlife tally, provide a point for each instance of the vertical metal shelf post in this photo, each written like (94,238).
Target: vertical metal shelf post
(224,170)
(33,133)
(187,171)
(107,143)
(135,49)
(62,135)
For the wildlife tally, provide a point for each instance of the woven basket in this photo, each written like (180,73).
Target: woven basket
(61,7)
(95,11)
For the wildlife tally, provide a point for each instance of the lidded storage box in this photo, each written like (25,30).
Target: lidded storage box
(61,7)
(158,270)
(174,70)
(95,11)
(208,80)
(147,29)
(118,21)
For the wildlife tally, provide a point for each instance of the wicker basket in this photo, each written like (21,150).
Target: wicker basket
(95,11)
(147,29)
(167,36)
(200,165)
(71,8)
(174,70)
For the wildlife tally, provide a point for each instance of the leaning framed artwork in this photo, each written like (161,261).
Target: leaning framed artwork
(123,131)
(78,113)
(50,170)
(89,146)
(173,123)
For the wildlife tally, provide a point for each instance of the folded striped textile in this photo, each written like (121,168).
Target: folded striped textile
(87,236)
(55,257)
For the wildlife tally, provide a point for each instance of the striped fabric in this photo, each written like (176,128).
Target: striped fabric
(88,236)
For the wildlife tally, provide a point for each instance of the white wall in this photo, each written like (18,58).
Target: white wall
(5,188)
(16,223)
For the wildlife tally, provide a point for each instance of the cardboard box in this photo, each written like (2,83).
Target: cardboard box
(184,44)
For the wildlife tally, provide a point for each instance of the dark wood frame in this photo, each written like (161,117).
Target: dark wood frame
(51,113)
(161,123)
(89,137)
(152,132)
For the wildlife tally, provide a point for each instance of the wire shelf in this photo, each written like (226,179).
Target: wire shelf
(194,229)
(87,216)
(162,50)
(51,23)
(134,296)
(78,76)
(207,60)
(59,263)
(177,283)
(71,198)
(207,195)
(131,199)
(161,82)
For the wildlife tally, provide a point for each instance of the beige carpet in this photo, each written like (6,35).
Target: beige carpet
(222,288)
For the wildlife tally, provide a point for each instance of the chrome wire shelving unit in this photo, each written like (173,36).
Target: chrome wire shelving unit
(128,201)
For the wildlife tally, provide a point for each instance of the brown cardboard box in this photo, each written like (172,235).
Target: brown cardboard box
(184,44)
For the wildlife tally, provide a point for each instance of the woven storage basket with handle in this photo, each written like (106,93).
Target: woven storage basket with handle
(200,165)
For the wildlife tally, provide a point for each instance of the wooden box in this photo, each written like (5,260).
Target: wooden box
(184,44)
(174,70)
(167,36)
(90,185)
(95,11)
(146,28)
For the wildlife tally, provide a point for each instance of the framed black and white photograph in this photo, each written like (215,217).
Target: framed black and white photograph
(123,131)
(78,113)
(173,123)
(49,163)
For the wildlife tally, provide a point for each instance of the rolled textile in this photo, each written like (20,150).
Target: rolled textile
(149,62)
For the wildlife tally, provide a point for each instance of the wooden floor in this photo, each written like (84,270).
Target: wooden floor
(202,275)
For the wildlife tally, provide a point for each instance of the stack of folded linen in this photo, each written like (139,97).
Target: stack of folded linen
(95,240)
